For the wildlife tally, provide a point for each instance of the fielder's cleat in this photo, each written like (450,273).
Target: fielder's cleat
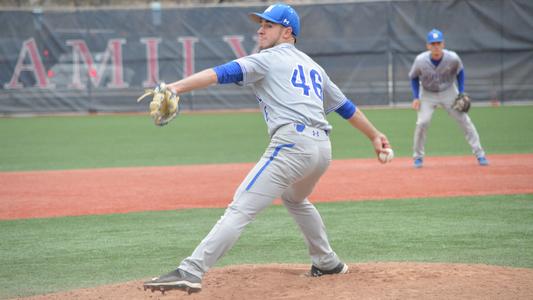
(175,280)
(341,268)
(418,163)
(482,160)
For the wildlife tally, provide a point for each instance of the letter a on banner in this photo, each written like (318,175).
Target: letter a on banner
(29,48)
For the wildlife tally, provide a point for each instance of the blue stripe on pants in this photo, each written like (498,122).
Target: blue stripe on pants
(276,151)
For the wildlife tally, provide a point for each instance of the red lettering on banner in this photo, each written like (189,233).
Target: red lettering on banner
(113,52)
(235,43)
(109,63)
(118,74)
(188,54)
(152,59)
(36,67)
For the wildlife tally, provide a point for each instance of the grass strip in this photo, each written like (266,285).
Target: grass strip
(43,143)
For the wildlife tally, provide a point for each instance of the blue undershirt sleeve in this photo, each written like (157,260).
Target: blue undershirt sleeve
(229,73)
(347,109)
(415,87)
(461,81)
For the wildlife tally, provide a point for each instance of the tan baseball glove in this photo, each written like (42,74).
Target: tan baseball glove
(164,105)
(462,103)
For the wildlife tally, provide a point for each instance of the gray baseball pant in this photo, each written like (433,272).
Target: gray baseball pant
(289,169)
(429,101)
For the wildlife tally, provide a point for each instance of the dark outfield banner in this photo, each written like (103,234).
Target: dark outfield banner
(101,60)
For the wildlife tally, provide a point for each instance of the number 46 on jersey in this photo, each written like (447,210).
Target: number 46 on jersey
(300,79)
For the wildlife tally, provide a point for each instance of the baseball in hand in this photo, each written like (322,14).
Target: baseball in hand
(386,155)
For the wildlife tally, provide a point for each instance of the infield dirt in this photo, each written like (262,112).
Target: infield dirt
(42,194)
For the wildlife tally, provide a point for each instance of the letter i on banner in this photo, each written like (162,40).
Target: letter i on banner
(152,60)
(188,54)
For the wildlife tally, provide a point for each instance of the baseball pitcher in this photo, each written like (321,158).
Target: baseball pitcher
(294,94)
(437,69)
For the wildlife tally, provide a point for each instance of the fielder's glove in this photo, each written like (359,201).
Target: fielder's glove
(164,105)
(462,103)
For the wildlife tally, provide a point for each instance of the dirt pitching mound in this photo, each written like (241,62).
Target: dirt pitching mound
(364,281)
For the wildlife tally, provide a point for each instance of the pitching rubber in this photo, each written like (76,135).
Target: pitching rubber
(184,285)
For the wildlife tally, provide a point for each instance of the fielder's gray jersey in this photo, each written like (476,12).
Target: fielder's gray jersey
(436,78)
(290,87)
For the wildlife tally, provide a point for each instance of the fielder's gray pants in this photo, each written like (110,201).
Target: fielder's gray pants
(429,101)
(289,169)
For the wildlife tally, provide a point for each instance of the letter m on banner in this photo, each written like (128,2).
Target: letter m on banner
(80,51)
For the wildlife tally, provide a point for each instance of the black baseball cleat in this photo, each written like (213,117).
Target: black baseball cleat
(175,280)
(341,268)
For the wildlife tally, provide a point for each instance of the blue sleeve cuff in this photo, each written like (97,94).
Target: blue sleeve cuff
(347,109)
(461,81)
(229,73)
(415,87)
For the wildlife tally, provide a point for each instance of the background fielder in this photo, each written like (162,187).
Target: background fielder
(294,94)
(437,70)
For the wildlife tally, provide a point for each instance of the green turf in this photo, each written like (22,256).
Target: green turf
(126,140)
(501,129)
(45,255)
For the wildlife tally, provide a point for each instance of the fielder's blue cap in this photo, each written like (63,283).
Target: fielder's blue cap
(279,13)
(434,36)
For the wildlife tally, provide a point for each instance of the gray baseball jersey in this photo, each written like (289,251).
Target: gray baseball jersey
(294,94)
(439,78)
(438,89)
(294,89)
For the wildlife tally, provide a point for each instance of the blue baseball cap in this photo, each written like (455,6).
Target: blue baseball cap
(279,13)
(434,36)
